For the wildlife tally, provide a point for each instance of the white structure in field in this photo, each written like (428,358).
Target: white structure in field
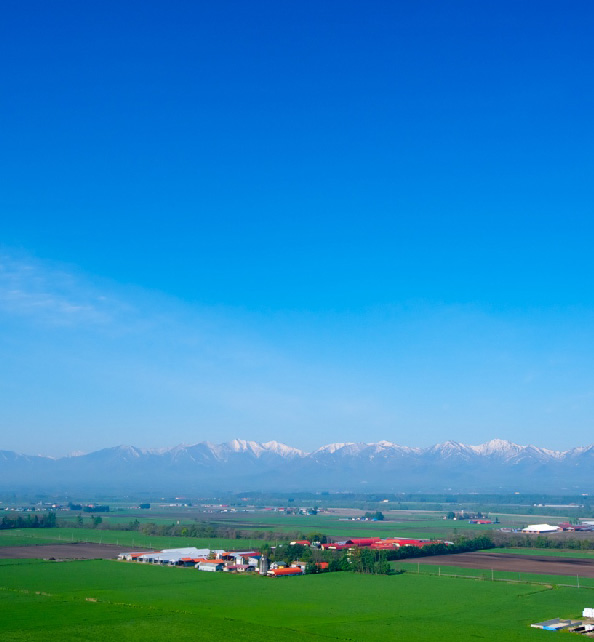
(540,529)
(173,556)
(210,566)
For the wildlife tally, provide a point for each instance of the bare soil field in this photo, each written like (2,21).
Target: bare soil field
(546,565)
(66,551)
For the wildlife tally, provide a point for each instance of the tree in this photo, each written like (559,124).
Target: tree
(311,568)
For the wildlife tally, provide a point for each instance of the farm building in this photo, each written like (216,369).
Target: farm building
(210,565)
(337,546)
(557,624)
(239,568)
(174,556)
(284,572)
(406,541)
(251,558)
(538,529)
(363,541)
(131,557)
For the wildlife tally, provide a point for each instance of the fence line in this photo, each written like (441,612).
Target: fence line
(485,577)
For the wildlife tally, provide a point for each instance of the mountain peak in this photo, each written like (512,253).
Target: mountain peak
(282,449)
(497,447)
(330,449)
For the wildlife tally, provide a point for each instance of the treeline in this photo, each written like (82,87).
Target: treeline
(204,530)
(45,520)
(519,540)
(89,508)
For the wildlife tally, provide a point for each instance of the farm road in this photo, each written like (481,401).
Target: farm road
(545,565)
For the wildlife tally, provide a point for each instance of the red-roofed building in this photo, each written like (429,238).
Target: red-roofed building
(336,547)
(363,541)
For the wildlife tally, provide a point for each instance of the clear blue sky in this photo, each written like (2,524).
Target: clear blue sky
(301,220)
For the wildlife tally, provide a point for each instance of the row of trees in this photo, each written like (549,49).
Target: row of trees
(204,530)
(43,520)
(518,540)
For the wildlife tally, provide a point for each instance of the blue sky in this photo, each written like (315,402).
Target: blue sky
(303,221)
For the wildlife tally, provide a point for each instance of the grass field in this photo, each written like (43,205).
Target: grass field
(131,539)
(427,524)
(99,600)
(408,525)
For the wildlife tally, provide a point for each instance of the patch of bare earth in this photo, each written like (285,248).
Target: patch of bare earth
(66,551)
(545,565)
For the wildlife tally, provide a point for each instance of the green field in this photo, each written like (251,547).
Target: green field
(38,536)
(100,600)
(426,525)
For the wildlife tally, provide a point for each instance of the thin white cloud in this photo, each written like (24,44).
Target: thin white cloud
(49,295)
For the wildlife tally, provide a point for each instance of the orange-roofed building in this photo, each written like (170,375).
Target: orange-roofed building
(284,572)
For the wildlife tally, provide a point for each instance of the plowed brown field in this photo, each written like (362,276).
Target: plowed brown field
(72,551)
(546,565)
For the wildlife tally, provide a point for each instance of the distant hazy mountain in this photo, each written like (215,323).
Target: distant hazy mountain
(240,465)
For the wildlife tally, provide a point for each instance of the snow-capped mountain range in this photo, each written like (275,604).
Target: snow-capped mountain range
(497,465)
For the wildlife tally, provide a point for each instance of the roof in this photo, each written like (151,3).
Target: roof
(541,528)
(363,541)
(286,571)
(303,542)
(187,551)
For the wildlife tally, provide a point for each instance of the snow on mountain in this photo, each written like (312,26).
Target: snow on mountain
(450,449)
(281,449)
(496,447)
(498,463)
(330,449)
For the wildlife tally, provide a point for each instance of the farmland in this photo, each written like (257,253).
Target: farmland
(98,600)
(130,539)
(527,564)
(336,523)
(550,552)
